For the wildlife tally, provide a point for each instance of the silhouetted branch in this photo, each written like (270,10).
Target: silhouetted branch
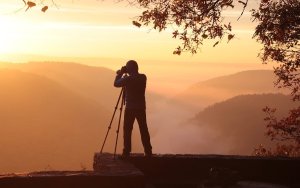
(245,5)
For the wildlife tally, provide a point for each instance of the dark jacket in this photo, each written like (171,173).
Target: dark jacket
(135,86)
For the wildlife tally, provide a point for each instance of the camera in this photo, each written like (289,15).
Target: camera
(124,69)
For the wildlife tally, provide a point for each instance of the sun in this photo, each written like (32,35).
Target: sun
(8,34)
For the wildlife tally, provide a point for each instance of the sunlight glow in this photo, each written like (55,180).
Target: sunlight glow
(9,34)
(104,29)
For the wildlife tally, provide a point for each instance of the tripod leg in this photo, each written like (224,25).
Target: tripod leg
(111,121)
(118,130)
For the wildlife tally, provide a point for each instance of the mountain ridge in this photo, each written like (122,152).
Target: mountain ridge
(46,123)
(210,91)
(239,121)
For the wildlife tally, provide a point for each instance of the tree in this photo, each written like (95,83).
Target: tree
(286,131)
(278,30)
(193,20)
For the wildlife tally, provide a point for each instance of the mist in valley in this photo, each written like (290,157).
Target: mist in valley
(203,118)
(54,116)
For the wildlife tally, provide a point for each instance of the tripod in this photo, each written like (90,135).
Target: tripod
(122,95)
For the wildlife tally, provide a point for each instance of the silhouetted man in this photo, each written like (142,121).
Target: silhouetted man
(135,86)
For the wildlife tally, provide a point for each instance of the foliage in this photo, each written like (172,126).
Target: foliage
(31,4)
(281,150)
(278,30)
(193,21)
(286,131)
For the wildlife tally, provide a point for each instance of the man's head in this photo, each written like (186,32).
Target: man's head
(132,67)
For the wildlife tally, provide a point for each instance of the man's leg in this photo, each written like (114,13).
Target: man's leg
(142,121)
(127,130)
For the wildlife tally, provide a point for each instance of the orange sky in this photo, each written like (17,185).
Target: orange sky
(103,29)
(94,28)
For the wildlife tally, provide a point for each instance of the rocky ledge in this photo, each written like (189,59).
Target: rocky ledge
(168,171)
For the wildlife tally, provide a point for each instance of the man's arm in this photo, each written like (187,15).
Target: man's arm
(120,81)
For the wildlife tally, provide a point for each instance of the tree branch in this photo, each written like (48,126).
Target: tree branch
(245,5)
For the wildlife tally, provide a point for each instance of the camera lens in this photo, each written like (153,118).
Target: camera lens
(124,69)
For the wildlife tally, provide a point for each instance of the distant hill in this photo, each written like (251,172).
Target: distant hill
(221,88)
(91,82)
(95,83)
(237,124)
(66,108)
(45,125)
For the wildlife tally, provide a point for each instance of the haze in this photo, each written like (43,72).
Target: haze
(55,109)
(100,33)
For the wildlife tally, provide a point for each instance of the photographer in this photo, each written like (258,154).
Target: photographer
(135,86)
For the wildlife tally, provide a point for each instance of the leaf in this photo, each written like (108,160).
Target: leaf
(216,44)
(177,51)
(30,5)
(136,23)
(242,3)
(228,26)
(175,34)
(230,37)
(204,36)
(227,3)
(45,8)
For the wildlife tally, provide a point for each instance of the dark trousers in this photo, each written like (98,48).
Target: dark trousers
(129,117)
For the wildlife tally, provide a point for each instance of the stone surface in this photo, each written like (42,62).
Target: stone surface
(105,163)
(168,171)
(110,173)
(215,170)
(84,179)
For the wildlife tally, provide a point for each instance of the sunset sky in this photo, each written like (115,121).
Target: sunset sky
(57,95)
(90,31)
